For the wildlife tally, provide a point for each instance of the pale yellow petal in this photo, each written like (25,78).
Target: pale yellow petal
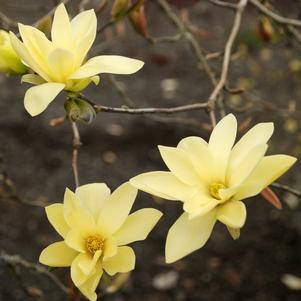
(232,214)
(116,208)
(137,226)
(77,85)
(179,163)
(93,196)
(122,262)
(38,98)
(76,215)
(87,262)
(61,63)
(226,194)
(110,249)
(246,165)
(108,64)
(61,33)
(268,170)
(199,205)
(259,134)
(89,286)
(26,56)
(188,235)
(77,275)
(163,184)
(32,79)
(221,141)
(83,28)
(55,215)
(37,45)
(201,157)
(76,240)
(58,254)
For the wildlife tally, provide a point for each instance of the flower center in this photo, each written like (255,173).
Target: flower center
(214,189)
(94,243)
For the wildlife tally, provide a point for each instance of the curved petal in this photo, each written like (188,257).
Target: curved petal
(89,286)
(93,196)
(180,164)
(201,157)
(87,262)
(61,34)
(61,63)
(58,254)
(117,208)
(221,141)
(232,214)
(163,184)
(37,45)
(38,98)
(77,275)
(122,262)
(199,205)
(76,215)
(268,170)
(83,28)
(246,165)
(137,226)
(108,64)
(188,235)
(55,215)
(110,249)
(32,79)
(259,134)
(26,56)
(75,240)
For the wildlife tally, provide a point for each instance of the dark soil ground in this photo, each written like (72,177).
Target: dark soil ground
(37,159)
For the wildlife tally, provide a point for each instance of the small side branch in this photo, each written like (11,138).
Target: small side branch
(141,111)
(17,261)
(227,52)
(287,189)
(76,144)
(274,16)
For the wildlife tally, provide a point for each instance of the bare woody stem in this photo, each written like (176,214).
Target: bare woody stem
(76,144)
(141,111)
(227,52)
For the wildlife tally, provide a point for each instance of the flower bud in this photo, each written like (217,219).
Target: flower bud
(119,8)
(138,20)
(9,60)
(79,109)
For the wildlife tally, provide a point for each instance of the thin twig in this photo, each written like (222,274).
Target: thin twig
(141,111)
(287,189)
(186,33)
(227,52)
(114,20)
(274,16)
(121,91)
(16,260)
(224,4)
(76,144)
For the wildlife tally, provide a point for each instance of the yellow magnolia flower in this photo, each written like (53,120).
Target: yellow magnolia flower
(60,63)
(211,179)
(96,227)
(9,60)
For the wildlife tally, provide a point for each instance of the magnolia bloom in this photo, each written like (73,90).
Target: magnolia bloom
(9,60)
(96,227)
(211,179)
(60,64)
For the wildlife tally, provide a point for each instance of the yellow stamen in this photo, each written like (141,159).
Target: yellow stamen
(214,189)
(94,243)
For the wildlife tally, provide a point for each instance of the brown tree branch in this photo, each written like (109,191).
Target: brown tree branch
(18,261)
